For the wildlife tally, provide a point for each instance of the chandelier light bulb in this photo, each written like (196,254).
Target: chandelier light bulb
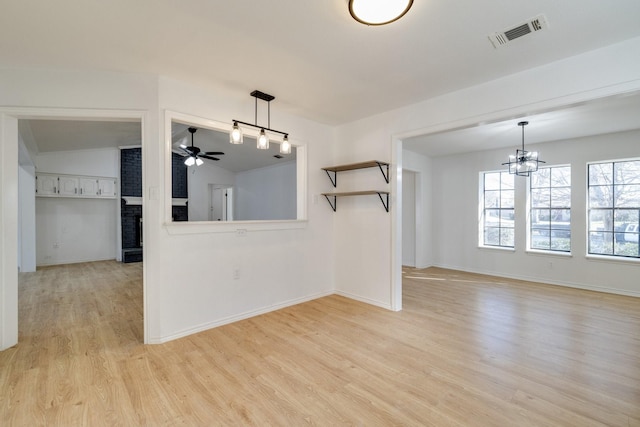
(199,161)
(190,161)
(263,141)
(285,147)
(235,136)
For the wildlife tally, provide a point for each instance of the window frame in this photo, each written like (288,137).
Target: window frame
(551,229)
(613,209)
(483,211)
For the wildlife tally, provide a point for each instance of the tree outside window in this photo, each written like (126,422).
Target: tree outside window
(498,209)
(614,208)
(550,214)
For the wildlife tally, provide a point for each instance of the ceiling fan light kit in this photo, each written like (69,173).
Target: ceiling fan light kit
(262,141)
(523,163)
(194,155)
(378,12)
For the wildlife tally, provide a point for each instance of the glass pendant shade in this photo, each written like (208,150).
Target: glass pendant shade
(523,163)
(190,161)
(235,136)
(199,161)
(378,12)
(263,141)
(285,147)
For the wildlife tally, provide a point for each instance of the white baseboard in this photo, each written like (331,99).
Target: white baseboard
(237,317)
(364,300)
(583,286)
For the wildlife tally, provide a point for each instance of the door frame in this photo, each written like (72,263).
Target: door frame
(9,202)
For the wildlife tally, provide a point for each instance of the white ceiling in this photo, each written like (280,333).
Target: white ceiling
(317,61)
(608,115)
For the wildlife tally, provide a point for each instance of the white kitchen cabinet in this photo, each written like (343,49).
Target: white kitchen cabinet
(106,187)
(57,185)
(88,187)
(68,186)
(46,185)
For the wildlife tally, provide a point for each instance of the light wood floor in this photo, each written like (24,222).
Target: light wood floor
(467,350)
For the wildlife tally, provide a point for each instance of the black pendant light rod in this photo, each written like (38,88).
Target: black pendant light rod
(260,127)
(268,98)
(523,124)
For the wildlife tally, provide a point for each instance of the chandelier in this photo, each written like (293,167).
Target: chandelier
(523,162)
(262,142)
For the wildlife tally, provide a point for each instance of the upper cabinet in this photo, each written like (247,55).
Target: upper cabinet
(46,185)
(106,187)
(55,185)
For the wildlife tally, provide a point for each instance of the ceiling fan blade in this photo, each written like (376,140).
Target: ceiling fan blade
(208,157)
(186,151)
(214,153)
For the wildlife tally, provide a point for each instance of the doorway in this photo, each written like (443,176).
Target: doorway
(13,208)
(220,202)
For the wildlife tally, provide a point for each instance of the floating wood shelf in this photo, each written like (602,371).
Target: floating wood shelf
(353,166)
(335,196)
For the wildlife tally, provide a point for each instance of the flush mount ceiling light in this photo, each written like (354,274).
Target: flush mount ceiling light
(523,162)
(378,12)
(262,141)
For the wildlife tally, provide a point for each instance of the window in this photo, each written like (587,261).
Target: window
(550,214)
(498,209)
(614,208)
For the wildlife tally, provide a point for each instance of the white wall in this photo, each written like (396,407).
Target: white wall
(198,180)
(366,241)
(455,210)
(27,219)
(66,94)
(98,162)
(8,231)
(422,168)
(275,267)
(72,230)
(266,193)
(408,218)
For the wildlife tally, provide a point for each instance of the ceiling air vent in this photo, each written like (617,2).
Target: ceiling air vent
(531,26)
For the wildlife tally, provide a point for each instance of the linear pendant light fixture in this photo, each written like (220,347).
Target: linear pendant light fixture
(523,162)
(378,12)
(262,142)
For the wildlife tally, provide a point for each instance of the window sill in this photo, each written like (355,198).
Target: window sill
(551,253)
(239,227)
(497,248)
(615,259)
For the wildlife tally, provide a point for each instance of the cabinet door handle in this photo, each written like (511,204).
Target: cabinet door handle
(55,189)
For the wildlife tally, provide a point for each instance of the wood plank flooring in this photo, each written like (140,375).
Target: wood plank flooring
(467,350)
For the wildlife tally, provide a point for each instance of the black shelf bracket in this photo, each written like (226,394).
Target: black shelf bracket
(333,180)
(386,176)
(386,205)
(334,205)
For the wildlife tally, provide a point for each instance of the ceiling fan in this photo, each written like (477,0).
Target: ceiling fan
(194,155)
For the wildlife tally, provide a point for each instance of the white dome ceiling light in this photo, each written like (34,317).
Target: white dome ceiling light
(378,12)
